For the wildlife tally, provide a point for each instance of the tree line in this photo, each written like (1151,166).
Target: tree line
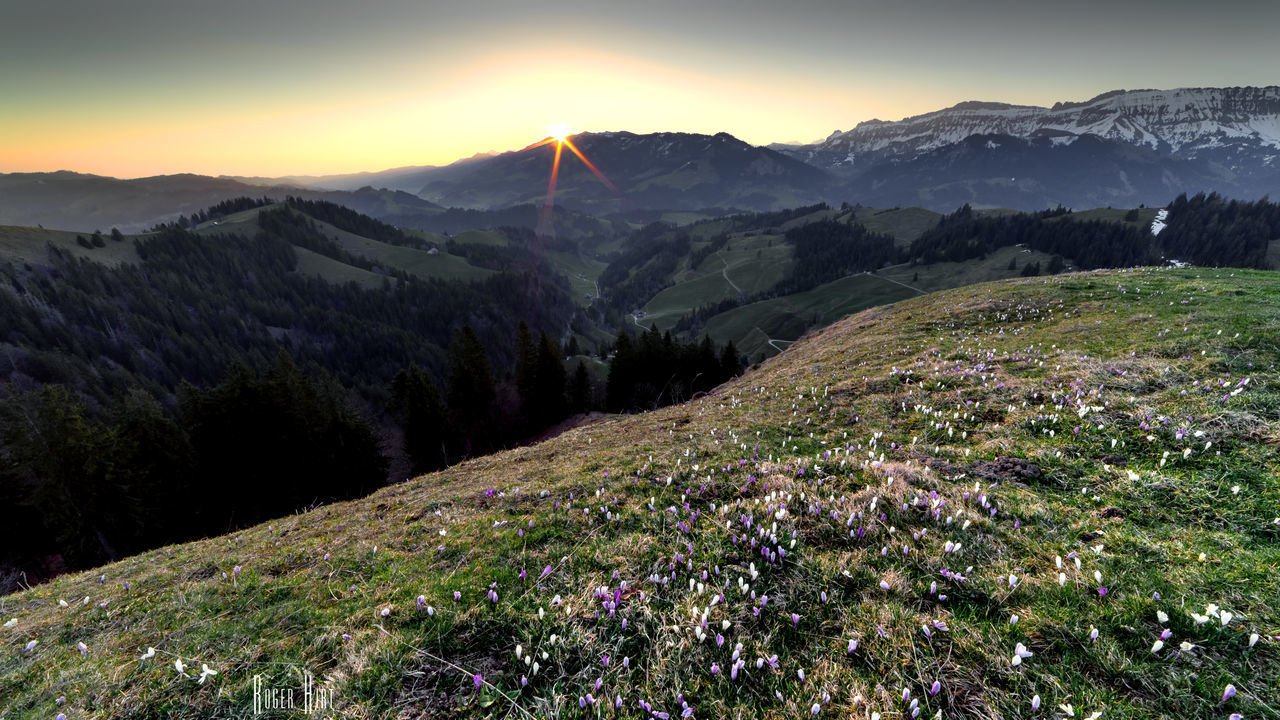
(1203,230)
(83,485)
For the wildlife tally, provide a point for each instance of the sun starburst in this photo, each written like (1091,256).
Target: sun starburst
(560,132)
(560,137)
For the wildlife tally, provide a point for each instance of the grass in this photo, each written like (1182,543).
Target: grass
(751,262)
(787,318)
(946,275)
(1145,215)
(803,481)
(904,224)
(581,272)
(751,326)
(30,245)
(335,271)
(417,262)
(481,237)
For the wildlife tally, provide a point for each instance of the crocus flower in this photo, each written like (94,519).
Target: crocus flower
(478,679)
(1228,692)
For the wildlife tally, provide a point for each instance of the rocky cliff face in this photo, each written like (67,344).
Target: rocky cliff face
(1236,127)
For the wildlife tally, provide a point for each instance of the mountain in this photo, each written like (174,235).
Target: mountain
(1224,139)
(989,502)
(408,178)
(1087,171)
(77,201)
(1237,127)
(659,170)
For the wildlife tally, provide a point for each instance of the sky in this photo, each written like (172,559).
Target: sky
(134,88)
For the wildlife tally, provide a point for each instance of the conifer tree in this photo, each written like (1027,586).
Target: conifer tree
(551,380)
(417,404)
(580,389)
(471,394)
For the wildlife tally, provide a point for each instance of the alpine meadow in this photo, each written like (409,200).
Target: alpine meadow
(399,361)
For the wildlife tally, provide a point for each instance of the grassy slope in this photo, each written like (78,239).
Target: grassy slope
(786,318)
(30,245)
(842,424)
(751,326)
(416,262)
(904,224)
(754,262)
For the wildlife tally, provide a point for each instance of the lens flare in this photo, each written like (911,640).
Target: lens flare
(560,136)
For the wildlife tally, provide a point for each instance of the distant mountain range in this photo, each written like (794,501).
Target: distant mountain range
(1122,148)
(76,201)
(1141,146)
(677,171)
(1237,127)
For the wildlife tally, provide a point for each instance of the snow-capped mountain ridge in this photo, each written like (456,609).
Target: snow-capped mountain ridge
(1227,125)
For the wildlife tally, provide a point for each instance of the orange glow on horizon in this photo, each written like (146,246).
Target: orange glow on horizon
(397,119)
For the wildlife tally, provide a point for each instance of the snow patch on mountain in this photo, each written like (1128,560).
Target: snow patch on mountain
(1187,122)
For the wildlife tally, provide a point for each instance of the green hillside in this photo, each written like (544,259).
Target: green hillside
(904,224)
(1051,492)
(31,245)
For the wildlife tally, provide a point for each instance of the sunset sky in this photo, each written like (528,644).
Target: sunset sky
(284,87)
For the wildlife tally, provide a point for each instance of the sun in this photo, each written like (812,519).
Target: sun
(560,132)
(560,137)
